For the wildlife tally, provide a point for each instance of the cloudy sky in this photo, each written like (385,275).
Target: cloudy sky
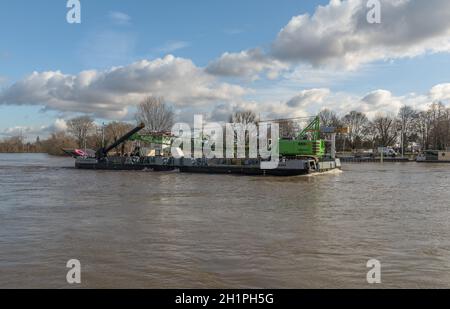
(280,58)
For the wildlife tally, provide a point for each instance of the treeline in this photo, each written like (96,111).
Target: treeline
(411,129)
(52,145)
(82,132)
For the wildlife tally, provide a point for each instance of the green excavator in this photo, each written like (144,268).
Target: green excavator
(306,144)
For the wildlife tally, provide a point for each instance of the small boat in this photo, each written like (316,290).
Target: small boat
(434,156)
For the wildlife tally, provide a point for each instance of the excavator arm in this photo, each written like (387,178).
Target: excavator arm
(103,152)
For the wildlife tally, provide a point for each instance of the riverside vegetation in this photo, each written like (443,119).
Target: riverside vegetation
(410,129)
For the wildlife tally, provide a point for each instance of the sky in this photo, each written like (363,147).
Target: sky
(279,58)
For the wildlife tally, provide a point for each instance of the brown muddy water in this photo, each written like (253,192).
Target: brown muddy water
(171,230)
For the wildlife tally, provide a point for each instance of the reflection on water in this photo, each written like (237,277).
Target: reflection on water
(171,230)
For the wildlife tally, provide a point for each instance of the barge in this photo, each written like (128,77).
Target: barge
(298,156)
(291,167)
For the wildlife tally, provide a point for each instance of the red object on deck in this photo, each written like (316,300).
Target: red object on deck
(79,152)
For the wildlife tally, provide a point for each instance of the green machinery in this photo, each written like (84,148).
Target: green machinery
(156,138)
(301,145)
(306,144)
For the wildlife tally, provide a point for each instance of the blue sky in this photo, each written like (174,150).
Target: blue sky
(35,37)
(43,40)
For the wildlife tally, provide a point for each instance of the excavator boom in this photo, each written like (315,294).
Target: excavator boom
(103,152)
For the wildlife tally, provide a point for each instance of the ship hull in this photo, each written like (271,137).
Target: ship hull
(285,168)
(122,167)
(243,171)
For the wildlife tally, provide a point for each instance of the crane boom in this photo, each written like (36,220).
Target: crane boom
(103,152)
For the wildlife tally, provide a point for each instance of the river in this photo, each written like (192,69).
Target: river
(171,230)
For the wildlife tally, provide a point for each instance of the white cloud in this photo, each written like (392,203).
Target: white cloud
(380,101)
(308,97)
(339,35)
(379,97)
(309,76)
(334,36)
(171,46)
(440,92)
(248,64)
(222,112)
(119,18)
(60,125)
(31,132)
(311,101)
(109,94)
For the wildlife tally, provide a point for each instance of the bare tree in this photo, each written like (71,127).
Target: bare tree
(288,129)
(56,142)
(244,117)
(115,130)
(329,118)
(385,130)
(433,127)
(358,125)
(13,144)
(155,114)
(80,128)
(444,132)
(244,120)
(440,126)
(406,116)
(423,126)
